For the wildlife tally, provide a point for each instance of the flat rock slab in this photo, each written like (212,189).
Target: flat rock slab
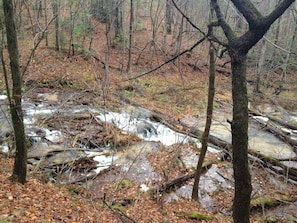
(52,155)
(40,150)
(64,157)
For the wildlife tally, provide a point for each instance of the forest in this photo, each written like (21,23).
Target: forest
(148,111)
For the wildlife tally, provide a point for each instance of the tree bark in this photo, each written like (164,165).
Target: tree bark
(243,187)
(56,11)
(20,163)
(118,14)
(131,35)
(168,17)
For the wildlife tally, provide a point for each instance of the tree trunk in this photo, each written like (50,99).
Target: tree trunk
(56,12)
(131,26)
(260,67)
(118,23)
(286,63)
(243,188)
(168,17)
(105,85)
(20,163)
(205,137)
(45,21)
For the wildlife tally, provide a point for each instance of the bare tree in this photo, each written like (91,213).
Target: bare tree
(238,47)
(20,164)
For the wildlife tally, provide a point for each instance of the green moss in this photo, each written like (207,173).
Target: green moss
(218,190)
(121,38)
(118,207)
(199,216)
(124,184)
(263,201)
(4,219)
(106,153)
(73,189)
(270,220)
(269,157)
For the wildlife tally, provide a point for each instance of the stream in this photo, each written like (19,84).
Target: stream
(69,153)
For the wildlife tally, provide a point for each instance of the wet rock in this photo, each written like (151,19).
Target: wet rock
(135,164)
(42,149)
(51,97)
(136,112)
(5,120)
(54,136)
(268,144)
(62,158)
(185,192)
(146,129)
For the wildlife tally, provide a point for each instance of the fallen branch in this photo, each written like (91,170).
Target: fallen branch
(275,165)
(177,182)
(270,202)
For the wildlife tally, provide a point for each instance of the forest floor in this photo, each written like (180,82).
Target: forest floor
(177,89)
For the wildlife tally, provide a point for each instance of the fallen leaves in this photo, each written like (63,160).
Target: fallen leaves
(39,202)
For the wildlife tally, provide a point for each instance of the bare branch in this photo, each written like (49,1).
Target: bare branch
(187,18)
(277,12)
(230,34)
(170,60)
(37,44)
(249,11)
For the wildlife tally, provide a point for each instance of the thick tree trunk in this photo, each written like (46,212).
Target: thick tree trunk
(243,188)
(20,164)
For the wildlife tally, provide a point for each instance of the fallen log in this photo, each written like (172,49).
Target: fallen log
(270,202)
(272,163)
(282,123)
